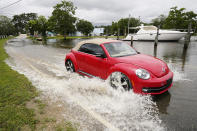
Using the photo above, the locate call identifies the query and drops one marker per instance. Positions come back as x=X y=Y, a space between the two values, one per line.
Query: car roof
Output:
x=97 y=41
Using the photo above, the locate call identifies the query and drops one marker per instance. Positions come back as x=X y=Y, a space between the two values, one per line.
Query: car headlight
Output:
x=143 y=74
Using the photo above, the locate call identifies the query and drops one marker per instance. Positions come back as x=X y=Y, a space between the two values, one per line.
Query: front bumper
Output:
x=153 y=86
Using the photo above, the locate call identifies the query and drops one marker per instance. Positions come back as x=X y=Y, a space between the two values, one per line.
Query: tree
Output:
x=62 y=20
x=123 y=24
x=85 y=27
x=191 y=17
x=114 y=27
x=108 y=29
x=6 y=26
x=179 y=19
x=20 y=21
x=159 y=21
x=32 y=26
x=42 y=23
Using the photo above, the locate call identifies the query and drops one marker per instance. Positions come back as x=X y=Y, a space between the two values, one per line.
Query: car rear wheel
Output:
x=120 y=80
x=70 y=66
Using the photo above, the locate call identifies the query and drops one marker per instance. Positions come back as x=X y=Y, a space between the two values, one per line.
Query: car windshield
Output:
x=119 y=49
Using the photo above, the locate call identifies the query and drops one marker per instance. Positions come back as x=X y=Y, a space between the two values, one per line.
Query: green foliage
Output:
x=42 y=23
x=85 y=27
x=159 y=21
x=6 y=26
x=108 y=30
x=66 y=126
x=32 y=26
x=15 y=91
x=180 y=19
x=114 y=28
x=62 y=20
x=122 y=24
x=20 y=21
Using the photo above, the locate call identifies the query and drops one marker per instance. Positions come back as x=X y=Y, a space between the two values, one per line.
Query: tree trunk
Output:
x=44 y=36
x=64 y=36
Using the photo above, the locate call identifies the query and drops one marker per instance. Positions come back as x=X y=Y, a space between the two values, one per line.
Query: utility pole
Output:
x=125 y=32
x=129 y=23
x=139 y=20
x=106 y=34
x=118 y=33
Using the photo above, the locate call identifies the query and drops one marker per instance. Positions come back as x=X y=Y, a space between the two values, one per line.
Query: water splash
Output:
x=125 y=110
x=178 y=75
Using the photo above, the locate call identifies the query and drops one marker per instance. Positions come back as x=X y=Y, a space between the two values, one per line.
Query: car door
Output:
x=92 y=64
x=80 y=55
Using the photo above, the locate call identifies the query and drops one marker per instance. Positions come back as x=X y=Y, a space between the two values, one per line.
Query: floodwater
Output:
x=94 y=104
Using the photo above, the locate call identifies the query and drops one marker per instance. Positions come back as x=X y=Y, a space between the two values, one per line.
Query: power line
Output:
x=11 y=4
x=7 y=13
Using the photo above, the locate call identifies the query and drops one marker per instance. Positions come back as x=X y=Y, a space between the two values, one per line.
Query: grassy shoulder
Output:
x=78 y=37
x=19 y=107
x=15 y=91
x=82 y=37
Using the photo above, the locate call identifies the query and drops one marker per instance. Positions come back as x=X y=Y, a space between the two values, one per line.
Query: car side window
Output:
x=84 y=48
x=91 y=48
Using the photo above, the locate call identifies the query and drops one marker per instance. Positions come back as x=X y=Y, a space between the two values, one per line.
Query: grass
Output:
x=16 y=93
x=82 y=37
x=78 y=37
x=66 y=125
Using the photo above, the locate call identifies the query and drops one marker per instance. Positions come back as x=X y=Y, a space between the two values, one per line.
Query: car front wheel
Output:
x=70 y=66
x=120 y=80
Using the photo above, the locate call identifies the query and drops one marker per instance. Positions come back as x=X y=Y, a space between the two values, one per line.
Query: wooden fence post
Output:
x=131 y=40
x=157 y=36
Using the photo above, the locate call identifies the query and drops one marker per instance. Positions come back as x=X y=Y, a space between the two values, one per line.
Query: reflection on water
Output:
x=52 y=40
x=162 y=102
x=155 y=51
x=69 y=43
x=184 y=57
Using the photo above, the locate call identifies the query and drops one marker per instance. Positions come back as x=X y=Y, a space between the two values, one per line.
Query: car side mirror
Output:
x=101 y=55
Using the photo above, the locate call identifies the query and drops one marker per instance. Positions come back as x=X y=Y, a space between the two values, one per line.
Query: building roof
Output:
x=97 y=41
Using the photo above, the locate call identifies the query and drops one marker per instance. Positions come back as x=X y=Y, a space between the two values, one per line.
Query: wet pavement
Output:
x=94 y=104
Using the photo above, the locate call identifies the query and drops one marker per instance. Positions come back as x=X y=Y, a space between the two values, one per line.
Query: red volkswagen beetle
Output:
x=119 y=62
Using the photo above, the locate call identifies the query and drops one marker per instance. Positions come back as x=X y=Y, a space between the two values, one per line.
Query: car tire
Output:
x=120 y=80
x=70 y=66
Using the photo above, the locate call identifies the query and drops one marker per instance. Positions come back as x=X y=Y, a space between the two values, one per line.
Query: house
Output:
x=98 y=32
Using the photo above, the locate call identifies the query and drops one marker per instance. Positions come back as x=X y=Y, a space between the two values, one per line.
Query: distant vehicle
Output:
x=39 y=39
x=122 y=64
x=148 y=33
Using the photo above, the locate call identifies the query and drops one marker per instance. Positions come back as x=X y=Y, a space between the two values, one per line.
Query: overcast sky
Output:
x=101 y=11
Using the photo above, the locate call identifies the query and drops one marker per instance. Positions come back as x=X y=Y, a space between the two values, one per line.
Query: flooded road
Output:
x=94 y=104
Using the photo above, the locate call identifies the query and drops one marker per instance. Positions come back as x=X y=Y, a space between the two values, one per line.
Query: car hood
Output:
x=152 y=64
